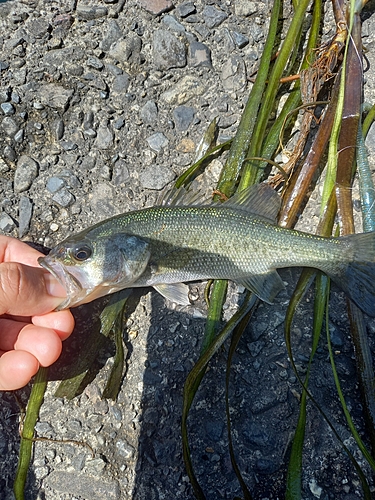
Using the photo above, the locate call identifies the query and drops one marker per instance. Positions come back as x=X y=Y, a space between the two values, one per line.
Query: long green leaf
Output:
x=251 y=173
x=27 y=435
x=240 y=145
x=195 y=375
x=237 y=334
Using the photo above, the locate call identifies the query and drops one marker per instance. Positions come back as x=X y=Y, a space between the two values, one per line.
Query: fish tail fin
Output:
x=357 y=278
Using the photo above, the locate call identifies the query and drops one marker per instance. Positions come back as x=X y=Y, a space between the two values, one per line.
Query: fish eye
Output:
x=82 y=253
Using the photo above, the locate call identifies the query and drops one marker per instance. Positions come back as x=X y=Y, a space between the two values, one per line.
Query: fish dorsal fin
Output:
x=175 y=292
x=265 y=286
x=174 y=196
x=259 y=199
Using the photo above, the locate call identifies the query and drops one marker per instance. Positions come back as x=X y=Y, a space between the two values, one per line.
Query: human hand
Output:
x=31 y=332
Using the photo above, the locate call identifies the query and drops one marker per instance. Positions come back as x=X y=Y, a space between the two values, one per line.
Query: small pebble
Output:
x=26 y=172
x=157 y=141
x=6 y=223
x=25 y=211
x=7 y=108
x=64 y=197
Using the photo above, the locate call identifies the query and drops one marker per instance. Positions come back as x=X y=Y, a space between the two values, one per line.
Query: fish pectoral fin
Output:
x=265 y=286
x=175 y=292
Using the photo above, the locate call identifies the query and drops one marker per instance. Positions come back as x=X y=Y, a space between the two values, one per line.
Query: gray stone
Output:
x=255 y=347
x=149 y=113
x=168 y=51
x=6 y=223
x=101 y=200
x=183 y=117
x=5 y=94
x=19 y=77
x=71 y=180
x=38 y=105
x=15 y=98
x=69 y=145
x=214 y=429
x=74 y=69
x=39 y=27
x=78 y=462
x=120 y=173
x=172 y=24
x=26 y=172
x=63 y=197
x=127 y=51
x=199 y=55
x=54 y=184
x=95 y=62
x=9 y=126
x=125 y=450
x=185 y=89
x=213 y=17
x=3 y=65
x=90 y=133
x=256 y=435
x=4 y=167
x=157 y=141
x=55 y=96
x=185 y=9
x=239 y=39
x=25 y=211
x=75 y=425
x=58 y=129
x=89 y=12
x=112 y=34
x=119 y=123
x=193 y=18
x=60 y=57
x=120 y=83
x=234 y=74
x=104 y=138
x=95 y=465
x=99 y=84
x=83 y=485
x=256 y=32
x=9 y=153
x=19 y=136
x=336 y=336
x=113 y=69
x=156 y=177
x=7 y=108
x=247 y=8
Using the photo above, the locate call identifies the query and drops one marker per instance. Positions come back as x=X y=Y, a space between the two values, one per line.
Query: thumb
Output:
x=28 y=291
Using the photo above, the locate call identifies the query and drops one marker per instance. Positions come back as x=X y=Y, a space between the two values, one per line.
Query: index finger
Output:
x=13 y=250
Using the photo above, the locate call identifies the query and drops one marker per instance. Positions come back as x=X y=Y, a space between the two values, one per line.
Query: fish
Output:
x=167 y=246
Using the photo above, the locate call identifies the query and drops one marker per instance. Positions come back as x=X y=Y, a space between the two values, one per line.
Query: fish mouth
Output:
x=74 y=290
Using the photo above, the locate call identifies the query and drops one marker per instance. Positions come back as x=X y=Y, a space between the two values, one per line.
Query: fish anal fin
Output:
x=265 y=286
x=175 y=292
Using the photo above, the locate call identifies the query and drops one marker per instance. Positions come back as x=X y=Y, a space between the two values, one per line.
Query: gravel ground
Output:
x=103 y=104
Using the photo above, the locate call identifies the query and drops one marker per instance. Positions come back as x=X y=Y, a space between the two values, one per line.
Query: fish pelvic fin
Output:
x=175 y=292
x=265 y=286
x=357 y=279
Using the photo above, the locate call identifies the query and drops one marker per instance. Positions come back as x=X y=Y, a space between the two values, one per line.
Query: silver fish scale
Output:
x=189 y=243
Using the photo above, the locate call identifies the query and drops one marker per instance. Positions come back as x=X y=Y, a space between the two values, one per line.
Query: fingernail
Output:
x=54 y=287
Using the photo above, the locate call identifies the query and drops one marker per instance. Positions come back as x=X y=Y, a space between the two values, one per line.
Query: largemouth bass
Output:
x=164 y=246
